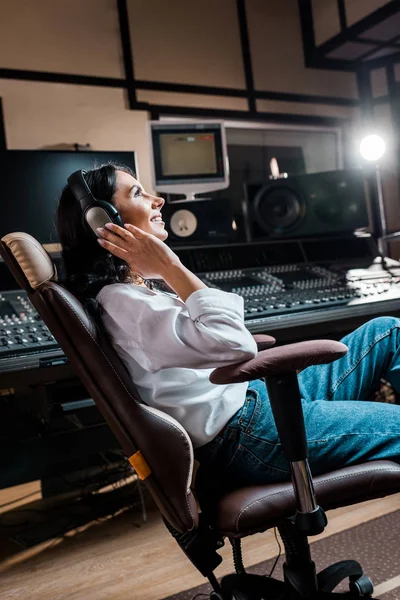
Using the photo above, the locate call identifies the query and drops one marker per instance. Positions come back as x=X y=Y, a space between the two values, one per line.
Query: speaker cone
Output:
x=278 y=209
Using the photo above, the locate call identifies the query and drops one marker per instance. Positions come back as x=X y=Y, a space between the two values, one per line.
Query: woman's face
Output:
x=137 y=207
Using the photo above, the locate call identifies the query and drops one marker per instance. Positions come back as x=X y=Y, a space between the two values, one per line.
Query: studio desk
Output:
x=292 y=289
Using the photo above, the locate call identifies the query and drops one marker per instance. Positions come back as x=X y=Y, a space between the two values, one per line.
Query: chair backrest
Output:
x=157 y=446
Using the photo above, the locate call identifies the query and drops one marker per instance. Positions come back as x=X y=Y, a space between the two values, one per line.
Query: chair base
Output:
x=258 y=587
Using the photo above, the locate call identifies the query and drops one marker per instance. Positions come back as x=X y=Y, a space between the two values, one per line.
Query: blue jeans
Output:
x=343 y=428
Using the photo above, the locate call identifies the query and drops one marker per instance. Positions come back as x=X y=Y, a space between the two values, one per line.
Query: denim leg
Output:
x=339 y=432
x=342 y=432
x=346 y=433
x=374 y=352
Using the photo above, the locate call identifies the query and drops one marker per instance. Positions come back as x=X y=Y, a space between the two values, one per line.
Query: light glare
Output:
x=372 y=147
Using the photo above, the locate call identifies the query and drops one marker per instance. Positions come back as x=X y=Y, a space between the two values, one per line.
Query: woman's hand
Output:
x=147 y=256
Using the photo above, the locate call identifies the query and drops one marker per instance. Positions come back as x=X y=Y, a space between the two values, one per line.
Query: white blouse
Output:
x=170 y=348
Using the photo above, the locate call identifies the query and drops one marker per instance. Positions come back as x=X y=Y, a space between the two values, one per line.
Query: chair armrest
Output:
x=264 y=341
x=278 y=366
x=283 y=359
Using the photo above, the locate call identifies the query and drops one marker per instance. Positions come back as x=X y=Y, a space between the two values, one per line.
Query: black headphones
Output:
x=95 y=213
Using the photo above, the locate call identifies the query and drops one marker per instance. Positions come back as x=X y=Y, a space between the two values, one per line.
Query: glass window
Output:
x=251 y=146
x=297 y=151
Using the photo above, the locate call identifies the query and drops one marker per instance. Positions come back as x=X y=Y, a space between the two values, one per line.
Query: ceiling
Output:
x=373 y=41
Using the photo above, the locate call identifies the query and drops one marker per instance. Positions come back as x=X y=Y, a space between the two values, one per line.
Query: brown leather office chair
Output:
x=161 y=452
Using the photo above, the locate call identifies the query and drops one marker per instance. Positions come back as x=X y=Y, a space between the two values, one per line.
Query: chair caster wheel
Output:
x=361 y=587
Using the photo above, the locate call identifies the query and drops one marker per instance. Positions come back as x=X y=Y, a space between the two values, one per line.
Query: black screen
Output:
x=339 y=249
x=31 y=182
x=291 y=277
x=203 y=259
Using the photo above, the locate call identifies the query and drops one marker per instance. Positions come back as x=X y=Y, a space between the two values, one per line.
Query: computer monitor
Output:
x=31 y=182
x=189 y=158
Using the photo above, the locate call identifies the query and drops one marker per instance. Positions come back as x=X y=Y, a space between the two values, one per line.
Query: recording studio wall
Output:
x=55 y=92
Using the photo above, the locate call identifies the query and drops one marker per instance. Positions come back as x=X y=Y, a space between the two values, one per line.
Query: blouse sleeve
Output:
x=205 y=332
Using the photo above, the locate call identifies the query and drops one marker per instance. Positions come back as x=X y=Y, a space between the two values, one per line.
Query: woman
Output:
x=170 y=343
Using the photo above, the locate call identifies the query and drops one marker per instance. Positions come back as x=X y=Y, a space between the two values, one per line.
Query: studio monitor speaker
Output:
x=331 y=202
x=199 y=221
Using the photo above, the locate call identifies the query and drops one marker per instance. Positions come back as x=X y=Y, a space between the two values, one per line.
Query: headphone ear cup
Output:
x=101 y=213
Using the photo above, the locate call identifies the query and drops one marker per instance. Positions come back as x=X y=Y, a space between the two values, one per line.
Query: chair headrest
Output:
x=33 y=260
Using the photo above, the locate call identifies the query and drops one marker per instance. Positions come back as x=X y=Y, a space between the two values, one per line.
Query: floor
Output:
x=374 y=544
x=120 y=557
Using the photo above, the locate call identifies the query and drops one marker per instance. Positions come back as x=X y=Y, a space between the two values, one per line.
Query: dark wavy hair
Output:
x=87 y=266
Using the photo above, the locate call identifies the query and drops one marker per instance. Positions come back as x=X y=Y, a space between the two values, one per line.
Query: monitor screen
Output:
x=31 y=182
x=189 y=157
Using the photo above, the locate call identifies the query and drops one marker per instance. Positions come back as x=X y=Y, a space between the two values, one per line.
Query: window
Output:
x=251 y=146
x=298 y=150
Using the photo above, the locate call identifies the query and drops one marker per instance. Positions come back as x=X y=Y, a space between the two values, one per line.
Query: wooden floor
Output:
x=124 y=558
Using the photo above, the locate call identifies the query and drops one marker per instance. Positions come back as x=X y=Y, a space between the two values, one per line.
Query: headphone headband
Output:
x=80 y=189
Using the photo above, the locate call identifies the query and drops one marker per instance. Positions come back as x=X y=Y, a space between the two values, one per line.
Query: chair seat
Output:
x=257 y=508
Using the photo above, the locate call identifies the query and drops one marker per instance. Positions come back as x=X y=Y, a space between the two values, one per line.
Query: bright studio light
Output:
x=372 y=147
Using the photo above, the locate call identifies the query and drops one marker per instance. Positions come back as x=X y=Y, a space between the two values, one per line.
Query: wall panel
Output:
x=195 y=100
x=77 y=37
x=277 y=54
x=358 y=9
x=384 y=126
x=397 y=71
x=326 y=20
x=379 y=82
x=303 y=108
x=187 y=42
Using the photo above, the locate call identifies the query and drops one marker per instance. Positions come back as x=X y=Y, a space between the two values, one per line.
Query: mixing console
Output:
x=25 y=341
x=286 y=295
x=276 y=297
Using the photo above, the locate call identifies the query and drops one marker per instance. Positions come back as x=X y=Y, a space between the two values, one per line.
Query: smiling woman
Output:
x=138 y=207
x=119 y=257
x=169 y=344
